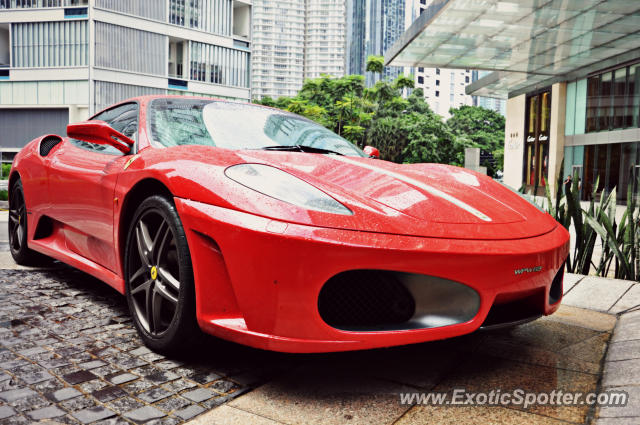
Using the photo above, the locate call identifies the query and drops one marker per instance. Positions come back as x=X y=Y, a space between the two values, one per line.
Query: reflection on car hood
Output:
x=426 y=199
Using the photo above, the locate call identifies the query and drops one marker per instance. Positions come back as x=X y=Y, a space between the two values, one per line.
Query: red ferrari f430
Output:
x=261 y=227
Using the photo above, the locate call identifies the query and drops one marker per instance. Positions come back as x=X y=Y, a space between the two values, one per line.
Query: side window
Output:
x=123 y=118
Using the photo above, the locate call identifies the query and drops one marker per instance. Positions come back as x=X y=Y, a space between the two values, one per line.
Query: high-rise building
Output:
x=372 y=27
x=277 y=66
x=63 y=60
x=325 y=38
x=443 y=88
x=294 y=40
x=496 y=104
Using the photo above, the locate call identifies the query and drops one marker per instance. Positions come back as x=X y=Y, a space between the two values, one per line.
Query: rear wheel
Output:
x=18 y=229
x=159 y=277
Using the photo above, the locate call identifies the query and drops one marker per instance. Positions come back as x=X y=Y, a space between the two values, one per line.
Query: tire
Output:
x=17 y=227
x=159 y=277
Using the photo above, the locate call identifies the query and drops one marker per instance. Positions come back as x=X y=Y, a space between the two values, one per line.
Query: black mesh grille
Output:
x=364 y=299
x=47 y=144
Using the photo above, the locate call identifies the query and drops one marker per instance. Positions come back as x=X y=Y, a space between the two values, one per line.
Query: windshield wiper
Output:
x=299 y=148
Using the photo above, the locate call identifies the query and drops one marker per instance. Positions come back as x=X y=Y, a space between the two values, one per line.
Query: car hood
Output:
x=426 y=200
x=414 y=199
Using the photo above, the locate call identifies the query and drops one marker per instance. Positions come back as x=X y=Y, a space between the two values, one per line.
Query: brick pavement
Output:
x=69 y=353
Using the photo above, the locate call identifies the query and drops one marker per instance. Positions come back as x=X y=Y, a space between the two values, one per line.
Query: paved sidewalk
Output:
x=69 y=354
x=600 y=294
x=622 y=370
x=563 y=351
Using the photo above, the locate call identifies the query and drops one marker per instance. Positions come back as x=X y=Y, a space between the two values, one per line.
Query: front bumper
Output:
x=258 y=280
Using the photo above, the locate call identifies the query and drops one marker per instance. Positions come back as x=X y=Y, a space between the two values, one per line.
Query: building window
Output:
x=437 y=71
x=152 y=9
x=437 y=93
x=613 y=165
x=192 y=14
x=119 y=47
x=613 y=99
x=65 y=44
x=420 y=69
x=220 y=65
x=420 y=80
x=437 y=82
x=466 y=79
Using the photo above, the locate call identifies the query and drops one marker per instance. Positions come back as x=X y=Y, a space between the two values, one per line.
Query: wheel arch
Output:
x=13 y=178
x=139 y=192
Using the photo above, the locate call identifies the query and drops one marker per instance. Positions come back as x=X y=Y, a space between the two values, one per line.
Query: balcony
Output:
x=30 y=4
x=242 y=20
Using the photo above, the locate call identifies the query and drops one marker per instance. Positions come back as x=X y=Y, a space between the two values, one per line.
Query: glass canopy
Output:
x=527 y=41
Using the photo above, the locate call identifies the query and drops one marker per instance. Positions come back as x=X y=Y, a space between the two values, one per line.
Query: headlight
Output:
x=280 y=185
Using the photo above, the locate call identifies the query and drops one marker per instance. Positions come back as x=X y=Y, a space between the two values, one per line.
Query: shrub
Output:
x=6 y=169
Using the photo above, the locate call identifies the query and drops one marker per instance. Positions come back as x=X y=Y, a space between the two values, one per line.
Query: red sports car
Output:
x=261 y=227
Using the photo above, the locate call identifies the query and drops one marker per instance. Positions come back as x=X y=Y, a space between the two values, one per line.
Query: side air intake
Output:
x=48 y=143
x=381 y=300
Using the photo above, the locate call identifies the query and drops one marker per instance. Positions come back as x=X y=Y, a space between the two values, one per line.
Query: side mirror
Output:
x=95 y=131
x=372 y=152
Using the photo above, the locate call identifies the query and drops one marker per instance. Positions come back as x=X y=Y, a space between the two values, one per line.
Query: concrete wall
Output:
x=514 y=141
x=242 y=20
x=35 y=93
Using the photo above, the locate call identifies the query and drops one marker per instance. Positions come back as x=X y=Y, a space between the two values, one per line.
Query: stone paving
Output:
x=622 y=369
x=69 y=353
x=563 y=352
x=568 y=351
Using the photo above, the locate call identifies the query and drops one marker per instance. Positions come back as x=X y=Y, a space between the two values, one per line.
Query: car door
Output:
x=82 y=181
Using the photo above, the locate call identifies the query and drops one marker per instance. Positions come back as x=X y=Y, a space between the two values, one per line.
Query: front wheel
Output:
x=159 y=277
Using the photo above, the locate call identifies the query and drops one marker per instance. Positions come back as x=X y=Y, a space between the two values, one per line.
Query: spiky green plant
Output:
x=620 y=241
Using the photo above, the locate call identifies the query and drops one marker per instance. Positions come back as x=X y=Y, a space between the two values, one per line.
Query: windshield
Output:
x=176 y=121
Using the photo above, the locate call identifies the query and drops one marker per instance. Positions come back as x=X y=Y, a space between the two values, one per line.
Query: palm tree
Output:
x=403 y=82
x=375 y=64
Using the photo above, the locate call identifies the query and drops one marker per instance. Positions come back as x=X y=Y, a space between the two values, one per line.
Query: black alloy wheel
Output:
x=159 y=277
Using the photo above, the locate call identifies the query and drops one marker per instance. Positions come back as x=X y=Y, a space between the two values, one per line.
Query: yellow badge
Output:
x=154 y=273
x=133 y=158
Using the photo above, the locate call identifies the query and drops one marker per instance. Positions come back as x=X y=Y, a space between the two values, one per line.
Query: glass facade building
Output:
x=602 y=119
x=373 y=26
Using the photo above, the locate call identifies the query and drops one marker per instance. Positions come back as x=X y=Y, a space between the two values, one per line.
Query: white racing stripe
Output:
x=413 y=182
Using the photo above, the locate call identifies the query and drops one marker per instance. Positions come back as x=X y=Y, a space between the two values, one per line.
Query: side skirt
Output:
x=55 y=247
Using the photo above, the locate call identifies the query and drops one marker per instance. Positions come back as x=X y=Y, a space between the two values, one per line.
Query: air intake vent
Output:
x=365 y=299
x=555 y=291
x=48 y=143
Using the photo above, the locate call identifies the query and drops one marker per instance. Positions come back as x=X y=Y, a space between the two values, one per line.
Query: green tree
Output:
x=375 y=64
x=403 y=129
x=404 y=82
x=482 y=128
